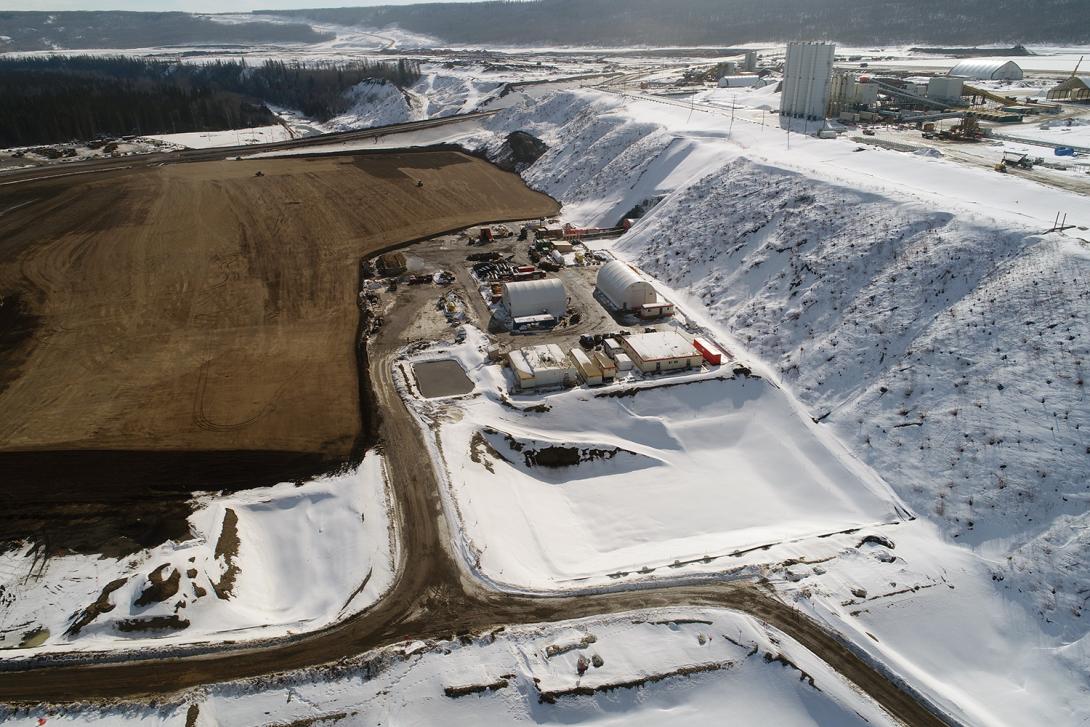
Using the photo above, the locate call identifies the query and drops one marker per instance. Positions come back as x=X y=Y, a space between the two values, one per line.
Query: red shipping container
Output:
x=710 y=353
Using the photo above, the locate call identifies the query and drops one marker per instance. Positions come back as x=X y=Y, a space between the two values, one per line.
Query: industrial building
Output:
x=750 y=63
x=661 y=351
x=540 y=367
x=751 y=81
x=848 y=94
x=945 y=88
x=535 y=298
x=1076 y=88
x=807 y=73
x=983 y=70
x=623 y=288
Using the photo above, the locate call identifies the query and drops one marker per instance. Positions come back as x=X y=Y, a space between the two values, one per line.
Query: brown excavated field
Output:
x=192 y=326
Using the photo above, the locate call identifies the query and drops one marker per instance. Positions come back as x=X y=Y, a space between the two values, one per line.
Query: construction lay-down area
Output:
x=194 y=327
x=692 y=462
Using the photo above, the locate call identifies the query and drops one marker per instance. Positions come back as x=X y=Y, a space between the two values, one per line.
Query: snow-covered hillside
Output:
x=379 y=103
x=914 y=306
x=258 y=563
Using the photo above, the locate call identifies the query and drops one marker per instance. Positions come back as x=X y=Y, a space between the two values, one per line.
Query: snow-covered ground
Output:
x=677 y=667
x=230 y=137
x=259 y=563
x=1069 y=132
x=919 y=310
x=678 y=469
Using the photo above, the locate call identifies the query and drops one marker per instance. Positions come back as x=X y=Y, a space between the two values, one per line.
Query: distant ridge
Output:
x=725 y=22
x=32 y=31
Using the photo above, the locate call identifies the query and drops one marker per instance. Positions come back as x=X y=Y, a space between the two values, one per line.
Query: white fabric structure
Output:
x=988 y=70
x=623 y=288
x=535 y=297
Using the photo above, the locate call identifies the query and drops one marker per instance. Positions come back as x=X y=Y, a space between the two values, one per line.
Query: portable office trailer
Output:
x=588 y=370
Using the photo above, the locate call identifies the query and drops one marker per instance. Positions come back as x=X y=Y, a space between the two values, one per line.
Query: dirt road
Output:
x=432 y=596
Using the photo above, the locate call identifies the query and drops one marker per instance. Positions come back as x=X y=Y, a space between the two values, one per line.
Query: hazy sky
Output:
x=193 y=6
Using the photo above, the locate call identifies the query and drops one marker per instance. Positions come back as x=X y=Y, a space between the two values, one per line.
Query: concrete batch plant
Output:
x=535 y=298
x=808 y=69
x=623 y=288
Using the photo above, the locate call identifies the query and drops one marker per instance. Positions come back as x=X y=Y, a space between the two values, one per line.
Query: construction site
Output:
x=558 y=311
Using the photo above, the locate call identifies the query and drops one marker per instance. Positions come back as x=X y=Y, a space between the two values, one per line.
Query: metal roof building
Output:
x=535 y=297
x=987 y=70
x=661 y=351
x=541 y=366
x=1076 y=88
x=623 y=288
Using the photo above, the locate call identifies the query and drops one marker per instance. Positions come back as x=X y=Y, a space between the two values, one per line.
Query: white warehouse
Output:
x=623 y=288
x=535 y=298
x=538 y=367
x=808 y=70
x=987 y=70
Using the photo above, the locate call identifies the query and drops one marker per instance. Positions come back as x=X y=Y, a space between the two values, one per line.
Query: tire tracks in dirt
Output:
x=432 y=597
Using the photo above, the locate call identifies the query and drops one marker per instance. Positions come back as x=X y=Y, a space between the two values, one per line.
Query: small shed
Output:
x=624 y=363
x=987 y=70
x=535 y=298
x=623 y=288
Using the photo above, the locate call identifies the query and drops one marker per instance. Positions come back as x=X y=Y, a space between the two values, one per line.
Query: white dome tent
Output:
x=983 y=70
x=535 y=298
x=623 y=288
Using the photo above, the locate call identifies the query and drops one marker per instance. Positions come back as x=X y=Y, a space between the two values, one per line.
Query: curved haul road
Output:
x=432 y=597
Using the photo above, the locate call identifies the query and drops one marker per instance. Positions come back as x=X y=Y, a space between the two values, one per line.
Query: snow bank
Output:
x=261 y=563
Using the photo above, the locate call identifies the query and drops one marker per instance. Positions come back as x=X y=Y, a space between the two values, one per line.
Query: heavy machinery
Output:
x=967 y=130
x=1019 y=161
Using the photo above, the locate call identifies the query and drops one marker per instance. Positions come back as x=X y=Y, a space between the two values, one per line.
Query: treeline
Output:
x=34 y=30
x=725 y=22
x=58 y=98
